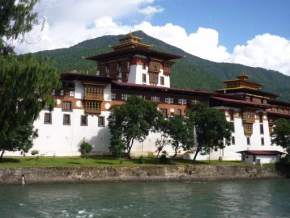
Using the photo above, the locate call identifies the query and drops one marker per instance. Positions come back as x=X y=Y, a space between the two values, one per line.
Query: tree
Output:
x=181 y=133
x=85 y=149
x=211 y=128
x=130 y=122
x=25 y=89
x=16 y=18
x=281 y=133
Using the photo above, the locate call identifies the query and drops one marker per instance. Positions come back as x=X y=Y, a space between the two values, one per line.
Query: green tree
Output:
x=181 y=133
x=130 y=122
x=85 y=149
x=25 y=89
x=16 y=18
x=211 y=128
x=25 y=83
x=281 y=133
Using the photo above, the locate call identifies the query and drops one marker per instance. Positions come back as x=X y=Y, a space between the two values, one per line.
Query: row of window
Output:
x=248 y=141
x=165 y=112
x=246 y=115
x=153 y=78
x=167 y=100
x=249 y=128
x=67 y=119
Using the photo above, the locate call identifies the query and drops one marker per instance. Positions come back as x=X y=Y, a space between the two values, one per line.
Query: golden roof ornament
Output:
x=130 y=41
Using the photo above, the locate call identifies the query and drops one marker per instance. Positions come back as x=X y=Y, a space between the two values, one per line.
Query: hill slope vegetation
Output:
x=188 y=72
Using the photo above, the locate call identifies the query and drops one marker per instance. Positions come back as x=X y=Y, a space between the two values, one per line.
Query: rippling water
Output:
x=251 y=198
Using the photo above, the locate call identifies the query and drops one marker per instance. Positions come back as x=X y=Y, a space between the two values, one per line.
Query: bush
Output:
x=85 y=148
x=34 y=152
x=163 y=158
x=141 y=160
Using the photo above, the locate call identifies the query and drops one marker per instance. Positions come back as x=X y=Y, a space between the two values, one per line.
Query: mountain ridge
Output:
x=188 y=72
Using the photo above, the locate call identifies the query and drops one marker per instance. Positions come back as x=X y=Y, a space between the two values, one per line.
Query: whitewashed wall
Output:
x=136 y=74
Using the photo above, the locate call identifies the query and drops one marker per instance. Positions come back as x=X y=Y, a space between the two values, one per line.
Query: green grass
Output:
x=25 y=162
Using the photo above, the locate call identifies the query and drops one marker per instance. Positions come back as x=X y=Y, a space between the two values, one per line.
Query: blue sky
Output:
x=236 y=20
x=250 y=32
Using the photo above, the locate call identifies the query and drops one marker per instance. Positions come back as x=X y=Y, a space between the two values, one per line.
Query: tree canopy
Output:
x=181 y=132
x=25 y=88
x=16 y=18
x=281 y=133
x=211 y=128
x=131 y=122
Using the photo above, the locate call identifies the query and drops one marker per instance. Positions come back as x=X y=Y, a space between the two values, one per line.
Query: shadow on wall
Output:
x=100 y=142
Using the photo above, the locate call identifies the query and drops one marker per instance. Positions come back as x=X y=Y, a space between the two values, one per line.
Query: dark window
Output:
x=153 y=78
x=233 y=140
x=66 y=119
x=233 y=126
x=231 y=115
x=144 y=78
x=261 y=118
x=84 y=120
x=248 y=141
x=262 y=141
x=261 y=129
x=66 y=106
x=162 y=80
x=47 y=118
x=101 y=121
x=113 y=96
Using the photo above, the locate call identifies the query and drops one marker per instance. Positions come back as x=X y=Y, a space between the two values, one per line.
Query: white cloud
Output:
x=203 y=43
x=64 y=28
x=267 y=51
x=151 y=10
x=68 y=22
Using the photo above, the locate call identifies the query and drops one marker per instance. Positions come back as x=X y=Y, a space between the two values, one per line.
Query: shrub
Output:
x=85 y=148
x=163 y=158
x=34 y=152
x=141 y=160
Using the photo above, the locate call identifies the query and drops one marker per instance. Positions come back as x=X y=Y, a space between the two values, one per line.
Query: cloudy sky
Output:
x=250 y=32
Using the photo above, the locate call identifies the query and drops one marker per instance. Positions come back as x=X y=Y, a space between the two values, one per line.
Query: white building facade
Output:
x=82 y=106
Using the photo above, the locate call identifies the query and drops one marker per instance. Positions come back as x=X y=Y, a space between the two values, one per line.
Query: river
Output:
x=244 y=198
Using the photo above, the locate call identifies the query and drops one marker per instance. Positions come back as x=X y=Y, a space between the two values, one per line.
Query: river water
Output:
x=245 y=198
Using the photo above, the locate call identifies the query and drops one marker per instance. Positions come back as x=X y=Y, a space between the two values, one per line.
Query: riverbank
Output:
x=136 y=173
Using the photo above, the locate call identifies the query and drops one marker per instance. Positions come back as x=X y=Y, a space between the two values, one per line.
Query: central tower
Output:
x=132 y=61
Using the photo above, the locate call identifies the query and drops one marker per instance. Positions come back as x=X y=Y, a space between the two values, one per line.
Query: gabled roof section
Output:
x=123 y=85
x=242 y=81
x=132 y=45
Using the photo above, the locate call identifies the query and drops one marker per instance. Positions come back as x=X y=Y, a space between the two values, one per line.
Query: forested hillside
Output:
x=188 y=72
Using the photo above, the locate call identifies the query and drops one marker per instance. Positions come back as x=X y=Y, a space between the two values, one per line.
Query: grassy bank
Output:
x=95 y=162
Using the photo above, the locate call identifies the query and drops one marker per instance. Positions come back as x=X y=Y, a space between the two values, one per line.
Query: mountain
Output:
x=188 y=72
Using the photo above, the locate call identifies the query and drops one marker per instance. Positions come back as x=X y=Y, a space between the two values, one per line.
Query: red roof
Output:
x=235 y=101
x=261 y=152
x=160 y=88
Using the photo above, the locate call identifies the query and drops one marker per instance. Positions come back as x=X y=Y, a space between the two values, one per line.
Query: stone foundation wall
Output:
x=136 y=173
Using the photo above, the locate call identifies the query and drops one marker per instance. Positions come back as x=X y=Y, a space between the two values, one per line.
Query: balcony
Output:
x=248 y=117
x=92 y=107
x=98 y=97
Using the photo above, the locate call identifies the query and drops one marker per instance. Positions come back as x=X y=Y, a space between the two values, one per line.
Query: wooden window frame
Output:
x=248 y=140
x=82 y=120
x=49 y=120
x=65 y=104
x=101 y=121
x=262 y=129
x=162 y=80
x=68 y=121
x=144 y=78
